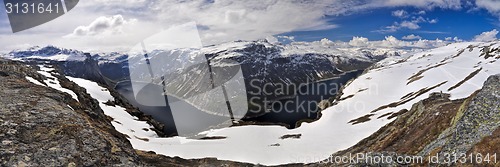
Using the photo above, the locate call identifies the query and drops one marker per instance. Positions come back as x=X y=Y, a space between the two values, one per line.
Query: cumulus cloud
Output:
x=422 y=12
x=412 y=24
x=400 y=13
x=493 y=6
x=412 y=37
x=455 y=39
x=393 y=42
x=101 y=25
x=486 y=36
x=287 y=38
x=359 y=41
x=388 y=42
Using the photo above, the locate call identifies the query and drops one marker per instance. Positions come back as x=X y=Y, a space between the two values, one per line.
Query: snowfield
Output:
x=367 y=102
x=32 y=80
x=137 y=131
x=52 y=81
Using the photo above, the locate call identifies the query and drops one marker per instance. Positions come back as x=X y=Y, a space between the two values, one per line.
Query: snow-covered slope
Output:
x=135 y=129
x=367 y=102
x=51 y=81
x=123 y=122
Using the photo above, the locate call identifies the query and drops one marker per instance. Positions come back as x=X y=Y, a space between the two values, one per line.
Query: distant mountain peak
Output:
x=48 y=52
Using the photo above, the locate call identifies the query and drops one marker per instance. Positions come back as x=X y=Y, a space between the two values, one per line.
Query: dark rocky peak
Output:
x=87 y=56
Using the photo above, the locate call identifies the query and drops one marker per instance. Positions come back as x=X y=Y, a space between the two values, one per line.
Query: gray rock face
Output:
x=480 y=119
x=43 y=127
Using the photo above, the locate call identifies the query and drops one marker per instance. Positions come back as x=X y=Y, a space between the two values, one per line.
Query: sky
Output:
x=116 y=25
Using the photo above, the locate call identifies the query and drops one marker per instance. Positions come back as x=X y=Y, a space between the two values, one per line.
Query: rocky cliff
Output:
x=40 y=126
x=45 y=127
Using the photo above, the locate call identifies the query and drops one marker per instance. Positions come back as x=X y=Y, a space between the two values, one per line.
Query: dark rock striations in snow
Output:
x=439 y=126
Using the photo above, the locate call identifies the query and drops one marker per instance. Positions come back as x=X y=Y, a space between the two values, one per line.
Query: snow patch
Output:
x=34 y=81
x=138 y=132
x=53 y=82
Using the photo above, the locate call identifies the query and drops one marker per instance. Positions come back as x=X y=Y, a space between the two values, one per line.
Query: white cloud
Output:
x=289 y=38
x=388 y=42
x=486 y=36
x=226 y=20
x=340 y=7
x=455 y=39
x=412 y=24
x=493 y=6
x=427 y=4
x=218 y=20
x=412 y=37
x=102 y=25
x=400 y=13
x=422 y=12
x=359 y=41
x=393 y=42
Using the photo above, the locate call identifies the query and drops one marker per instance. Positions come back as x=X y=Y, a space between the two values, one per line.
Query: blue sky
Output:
x=463 y=23
x=111 y=25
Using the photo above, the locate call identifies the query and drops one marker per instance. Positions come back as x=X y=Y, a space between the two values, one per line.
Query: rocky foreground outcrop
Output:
x=44 y=127
x=40 y=126
x=437 y=131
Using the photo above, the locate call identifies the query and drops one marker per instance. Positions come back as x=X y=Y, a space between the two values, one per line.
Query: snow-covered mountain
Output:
x=270 y=62
x=264 y=66
x=317 y=61
x=271 y=65
x=267 y=63
x=365 y=106
x=47 y=53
